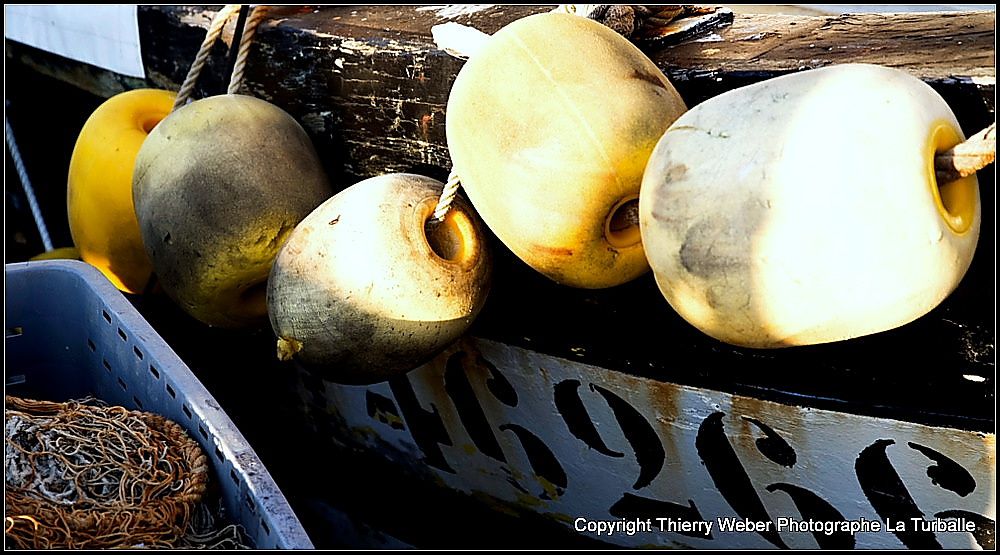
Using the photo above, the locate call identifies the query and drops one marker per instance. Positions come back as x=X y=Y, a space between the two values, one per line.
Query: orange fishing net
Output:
x=87 y=476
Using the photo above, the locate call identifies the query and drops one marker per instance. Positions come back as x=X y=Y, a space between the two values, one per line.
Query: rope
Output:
x=234 y=43
x=214 y=30
x=258 y=15
x=965 y=159
x=29 y=191
x=447 y=196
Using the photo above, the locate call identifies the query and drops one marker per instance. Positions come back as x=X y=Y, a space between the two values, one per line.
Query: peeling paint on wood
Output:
x=454 y=10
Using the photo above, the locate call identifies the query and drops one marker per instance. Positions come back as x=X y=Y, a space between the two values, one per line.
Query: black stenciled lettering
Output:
x=814 y=507
x=729 y=476
x=986 y=528
x=772 y=445
x=470 y=412
x=949 y=475
x=498 y=384
x=633 y=506
x=426 y=427
x=543 y=462
x=888 y=495
x=567 y=398
x=946 y=473
x=640 y=435
x=459 y=388
x=382 y=408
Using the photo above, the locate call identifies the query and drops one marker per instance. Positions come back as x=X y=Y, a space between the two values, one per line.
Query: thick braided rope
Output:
x=214 y=30
x=29 y=191
x=965 y=159
x=447 y=196
x=249 y=30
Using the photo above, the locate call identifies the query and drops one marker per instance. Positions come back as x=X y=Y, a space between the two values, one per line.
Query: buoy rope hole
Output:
x=451 y=238
x=966 y=158
x=954 y=193
x=621 y=229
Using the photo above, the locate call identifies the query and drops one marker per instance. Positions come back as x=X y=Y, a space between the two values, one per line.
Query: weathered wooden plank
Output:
x=940 y=46
x=952 y=52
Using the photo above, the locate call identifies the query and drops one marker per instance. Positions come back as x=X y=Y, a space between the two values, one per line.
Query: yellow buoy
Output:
x=102 y=219
x=550 y=125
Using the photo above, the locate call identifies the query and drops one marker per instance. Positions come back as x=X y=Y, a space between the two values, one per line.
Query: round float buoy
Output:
x=365 y=288
x=804 y=209
x=102 y=218
x=219 y=185
x=549 y=127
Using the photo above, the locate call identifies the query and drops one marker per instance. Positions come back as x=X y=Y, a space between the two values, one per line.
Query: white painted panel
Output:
x=455 y=421
x=106 y=36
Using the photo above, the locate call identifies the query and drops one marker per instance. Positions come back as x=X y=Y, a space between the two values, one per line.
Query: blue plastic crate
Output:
x=70 y=333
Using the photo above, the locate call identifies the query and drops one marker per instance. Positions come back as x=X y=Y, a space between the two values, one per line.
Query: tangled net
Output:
x=204 y=532
x=80 y=476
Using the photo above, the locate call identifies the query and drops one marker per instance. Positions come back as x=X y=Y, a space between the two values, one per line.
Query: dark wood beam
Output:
x=371 y=87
